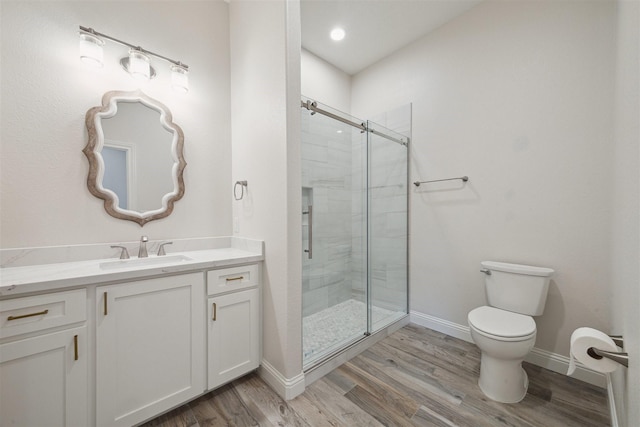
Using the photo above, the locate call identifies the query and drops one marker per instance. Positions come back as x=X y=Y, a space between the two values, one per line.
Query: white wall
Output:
x=325 y=83
x=265 y=87
x=626 y=212
x=518 y=96
x=46 y=91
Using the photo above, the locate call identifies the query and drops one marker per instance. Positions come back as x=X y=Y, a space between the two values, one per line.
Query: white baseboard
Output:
x=287 y=388
x=539 y=357
x=437 y=324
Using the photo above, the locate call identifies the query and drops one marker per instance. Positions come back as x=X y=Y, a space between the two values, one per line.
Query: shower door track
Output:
x=313 y=107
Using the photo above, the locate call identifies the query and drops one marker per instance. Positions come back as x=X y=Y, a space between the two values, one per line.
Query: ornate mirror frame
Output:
x=92 y=150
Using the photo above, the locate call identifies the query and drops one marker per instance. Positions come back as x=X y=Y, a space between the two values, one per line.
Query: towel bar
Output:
x=463 y=178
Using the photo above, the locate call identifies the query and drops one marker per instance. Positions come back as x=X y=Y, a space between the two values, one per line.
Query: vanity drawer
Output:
x=31 y=314
x=232 y=279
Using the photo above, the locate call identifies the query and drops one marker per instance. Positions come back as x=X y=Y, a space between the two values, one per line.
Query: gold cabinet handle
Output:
x=75 y=347
x=230 y=279
x=104 y=296
x=215 y=311
x=28 y=315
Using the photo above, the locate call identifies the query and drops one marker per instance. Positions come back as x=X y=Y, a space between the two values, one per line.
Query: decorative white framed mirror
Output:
x=135 y=154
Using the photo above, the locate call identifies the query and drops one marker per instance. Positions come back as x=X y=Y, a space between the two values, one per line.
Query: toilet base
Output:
x=502 y=380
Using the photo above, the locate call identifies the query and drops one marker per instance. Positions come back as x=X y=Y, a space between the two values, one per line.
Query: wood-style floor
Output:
x=414 y=377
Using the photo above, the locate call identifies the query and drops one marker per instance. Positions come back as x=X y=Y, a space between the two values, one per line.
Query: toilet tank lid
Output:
x=517 y=268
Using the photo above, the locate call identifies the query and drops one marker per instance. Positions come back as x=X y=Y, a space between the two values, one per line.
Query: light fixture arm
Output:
x=148 y=52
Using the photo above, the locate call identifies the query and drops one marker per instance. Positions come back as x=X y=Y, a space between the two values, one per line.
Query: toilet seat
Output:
x=501 y=325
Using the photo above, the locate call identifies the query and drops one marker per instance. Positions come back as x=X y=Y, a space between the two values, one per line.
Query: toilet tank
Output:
x=518 y=288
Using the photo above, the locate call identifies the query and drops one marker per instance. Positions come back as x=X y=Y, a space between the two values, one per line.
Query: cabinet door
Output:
x=234 y=338
x=150 y=347
x=43 y=380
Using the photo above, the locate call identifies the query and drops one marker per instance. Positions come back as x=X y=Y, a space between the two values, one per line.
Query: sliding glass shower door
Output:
x=334 y=204
x=354 y=230
x=387 y=226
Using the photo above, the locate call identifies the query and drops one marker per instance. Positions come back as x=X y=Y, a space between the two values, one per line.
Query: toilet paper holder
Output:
x=621 y=358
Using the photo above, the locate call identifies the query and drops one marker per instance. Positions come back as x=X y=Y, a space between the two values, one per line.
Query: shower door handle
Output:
x=309 y=212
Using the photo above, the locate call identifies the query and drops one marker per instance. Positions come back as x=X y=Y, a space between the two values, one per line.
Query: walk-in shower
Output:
x=354 y=220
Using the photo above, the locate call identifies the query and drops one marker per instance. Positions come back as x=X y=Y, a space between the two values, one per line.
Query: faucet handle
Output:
x=161 y=248
x=124 y=254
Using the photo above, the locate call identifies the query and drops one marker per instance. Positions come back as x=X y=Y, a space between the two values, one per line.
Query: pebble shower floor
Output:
x=327 y=330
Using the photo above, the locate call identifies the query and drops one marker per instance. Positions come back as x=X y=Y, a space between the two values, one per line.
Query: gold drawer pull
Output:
x=104 y=299
x=28 y=315
x=215 y=312
x=75 y=347
x=230 y=279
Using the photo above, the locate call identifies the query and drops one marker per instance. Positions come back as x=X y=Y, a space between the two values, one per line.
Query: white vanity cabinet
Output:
x=234 y=337
x=150 y=347
x=110 y=342
x=43 y=360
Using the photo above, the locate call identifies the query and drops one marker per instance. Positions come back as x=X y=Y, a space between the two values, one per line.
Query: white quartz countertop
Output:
x=45 y=277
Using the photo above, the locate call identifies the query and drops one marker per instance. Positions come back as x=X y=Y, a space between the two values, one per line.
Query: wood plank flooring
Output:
x=414 y=377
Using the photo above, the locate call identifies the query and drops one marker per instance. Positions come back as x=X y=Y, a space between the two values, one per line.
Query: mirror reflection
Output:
x=135 y=156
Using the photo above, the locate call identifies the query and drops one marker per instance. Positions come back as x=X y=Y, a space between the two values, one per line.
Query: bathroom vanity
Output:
x=116 y=342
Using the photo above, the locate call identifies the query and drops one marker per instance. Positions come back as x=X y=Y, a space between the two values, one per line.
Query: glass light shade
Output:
x=179 y=78
x=91 y=49
x=139 y=66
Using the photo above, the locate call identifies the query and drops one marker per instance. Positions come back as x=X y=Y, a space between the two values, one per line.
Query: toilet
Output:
x=505 y=331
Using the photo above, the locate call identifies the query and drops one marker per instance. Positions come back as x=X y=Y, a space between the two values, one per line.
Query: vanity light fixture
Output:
x=137 y=63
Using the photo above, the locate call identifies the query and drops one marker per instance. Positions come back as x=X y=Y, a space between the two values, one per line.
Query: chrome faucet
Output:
x=161 y=251
x=142 y=252
x=123 y=251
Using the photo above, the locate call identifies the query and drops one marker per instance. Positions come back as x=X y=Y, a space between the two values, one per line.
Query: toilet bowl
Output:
x=505 y=339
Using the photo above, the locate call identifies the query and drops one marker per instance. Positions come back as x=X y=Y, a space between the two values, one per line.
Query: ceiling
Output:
x=375 y=28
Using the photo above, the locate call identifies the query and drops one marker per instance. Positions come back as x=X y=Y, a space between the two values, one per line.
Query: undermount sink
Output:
x=143 y=262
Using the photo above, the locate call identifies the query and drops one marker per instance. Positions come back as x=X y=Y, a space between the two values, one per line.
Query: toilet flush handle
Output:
x=486 y=271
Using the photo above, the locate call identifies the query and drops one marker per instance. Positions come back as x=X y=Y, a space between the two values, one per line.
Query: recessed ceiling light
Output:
x=337 y=34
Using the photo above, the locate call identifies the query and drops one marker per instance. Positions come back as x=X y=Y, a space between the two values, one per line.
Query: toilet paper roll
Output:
x=582 y=339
